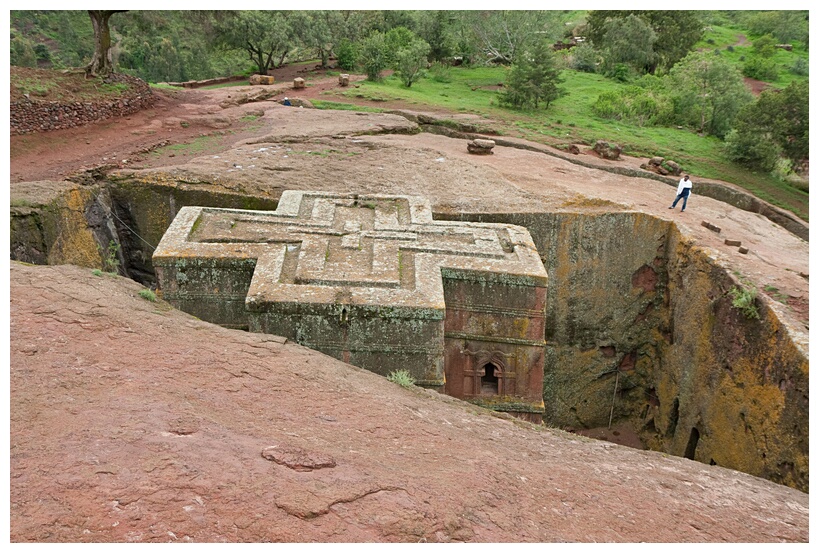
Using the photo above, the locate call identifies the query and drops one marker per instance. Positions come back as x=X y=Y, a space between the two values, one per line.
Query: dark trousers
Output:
x=684 y=196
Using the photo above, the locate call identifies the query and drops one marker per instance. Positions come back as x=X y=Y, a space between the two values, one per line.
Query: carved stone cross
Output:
x=362 y=278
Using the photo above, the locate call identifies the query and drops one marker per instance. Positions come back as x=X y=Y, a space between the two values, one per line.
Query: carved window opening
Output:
x=489 y=380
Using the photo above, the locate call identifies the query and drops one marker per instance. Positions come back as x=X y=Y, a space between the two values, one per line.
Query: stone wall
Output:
x=32 y=116
x=640 y=328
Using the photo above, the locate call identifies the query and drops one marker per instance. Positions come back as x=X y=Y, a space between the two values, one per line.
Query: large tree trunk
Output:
x=101 y=64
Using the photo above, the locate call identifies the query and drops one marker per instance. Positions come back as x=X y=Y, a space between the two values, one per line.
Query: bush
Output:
x=761 y=69
x=373 y=56
x=21 y=51
x=440 y=73
x=800 y=67
x=744 y=299
x=411 y=62
x=765 y=46
x=634 y=104
x=402 y=377
x=752 y=150
x=346 y=55
x=147 y=295
x=583 y=58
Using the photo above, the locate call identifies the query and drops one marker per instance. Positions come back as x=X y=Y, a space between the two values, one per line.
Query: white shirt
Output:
x=683 y=184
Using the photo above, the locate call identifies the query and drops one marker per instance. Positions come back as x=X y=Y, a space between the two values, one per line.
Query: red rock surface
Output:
x=133 y=422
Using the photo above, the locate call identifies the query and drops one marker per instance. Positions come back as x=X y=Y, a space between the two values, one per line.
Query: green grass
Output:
x=744 y=299
x=570 y=120
x=147 y=295
x=402 y=377
x=199 y=145
x=165 y=86
x=325 y=104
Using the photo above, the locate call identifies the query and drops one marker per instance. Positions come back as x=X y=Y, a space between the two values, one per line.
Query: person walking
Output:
x=683 y=191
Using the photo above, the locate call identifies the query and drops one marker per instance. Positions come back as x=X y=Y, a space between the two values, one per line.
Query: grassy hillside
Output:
x=570 y=120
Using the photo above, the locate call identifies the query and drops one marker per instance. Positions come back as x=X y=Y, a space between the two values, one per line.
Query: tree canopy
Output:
x=533 y=78
x=266 y=36
x=708 y=92
x=677 y=32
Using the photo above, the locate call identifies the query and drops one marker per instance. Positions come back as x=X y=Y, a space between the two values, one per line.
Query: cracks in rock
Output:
x=306 y=513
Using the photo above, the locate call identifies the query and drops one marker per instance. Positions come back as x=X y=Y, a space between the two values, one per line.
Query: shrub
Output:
x=346 y=55
x=752 y=149
x=147 y=295
x=744 y=300
x=440 y=73
x=110 y=257
x=762 y=69
x=800 y=67
x=583 y=58
x=635 y=104
x=373 y=56
x=411 y=62
x=402 y=377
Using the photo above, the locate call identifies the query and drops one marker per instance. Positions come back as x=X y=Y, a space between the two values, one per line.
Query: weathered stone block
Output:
x=298 y=82
x=344 y=79
x=607 y=150
x=729 y=242
x=373 y=281
x=480 y=146
x=262 y=79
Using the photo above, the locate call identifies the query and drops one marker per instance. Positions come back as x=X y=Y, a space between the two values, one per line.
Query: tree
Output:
x=708 y=93
x=411 y=61
x=785 y=25
x=435 y=27
x=533 y=78
x=321 y=30
x=501 y=34
x=22 y=52
x=777 y=122
x=677 y=32
x=629 y=41
x=373 y=55
x=266 y=36
x=101 y=63
x=397 y=39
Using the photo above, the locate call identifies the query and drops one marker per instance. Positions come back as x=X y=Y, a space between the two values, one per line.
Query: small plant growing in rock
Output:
x=147 y=295
x=402 y=377
x=96 y=272
x=110 y=258
x=744 y=299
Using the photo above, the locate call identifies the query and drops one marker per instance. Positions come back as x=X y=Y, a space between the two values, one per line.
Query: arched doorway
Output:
x=489 y=380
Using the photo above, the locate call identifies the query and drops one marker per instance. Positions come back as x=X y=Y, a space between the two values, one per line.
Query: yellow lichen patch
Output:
x=743 y=422
x=74 y=241
x=579 y=200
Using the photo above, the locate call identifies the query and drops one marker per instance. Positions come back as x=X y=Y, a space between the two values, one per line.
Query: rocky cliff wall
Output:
x=641 y=330
x=640 y=326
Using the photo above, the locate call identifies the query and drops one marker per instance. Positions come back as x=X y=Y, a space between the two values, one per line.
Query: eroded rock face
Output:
x=603 y=315
x=133 y=422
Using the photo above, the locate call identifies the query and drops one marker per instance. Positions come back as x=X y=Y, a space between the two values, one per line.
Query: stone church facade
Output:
x=376 y=282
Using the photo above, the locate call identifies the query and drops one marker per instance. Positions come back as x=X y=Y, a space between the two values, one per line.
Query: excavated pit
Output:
x=643 y=346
